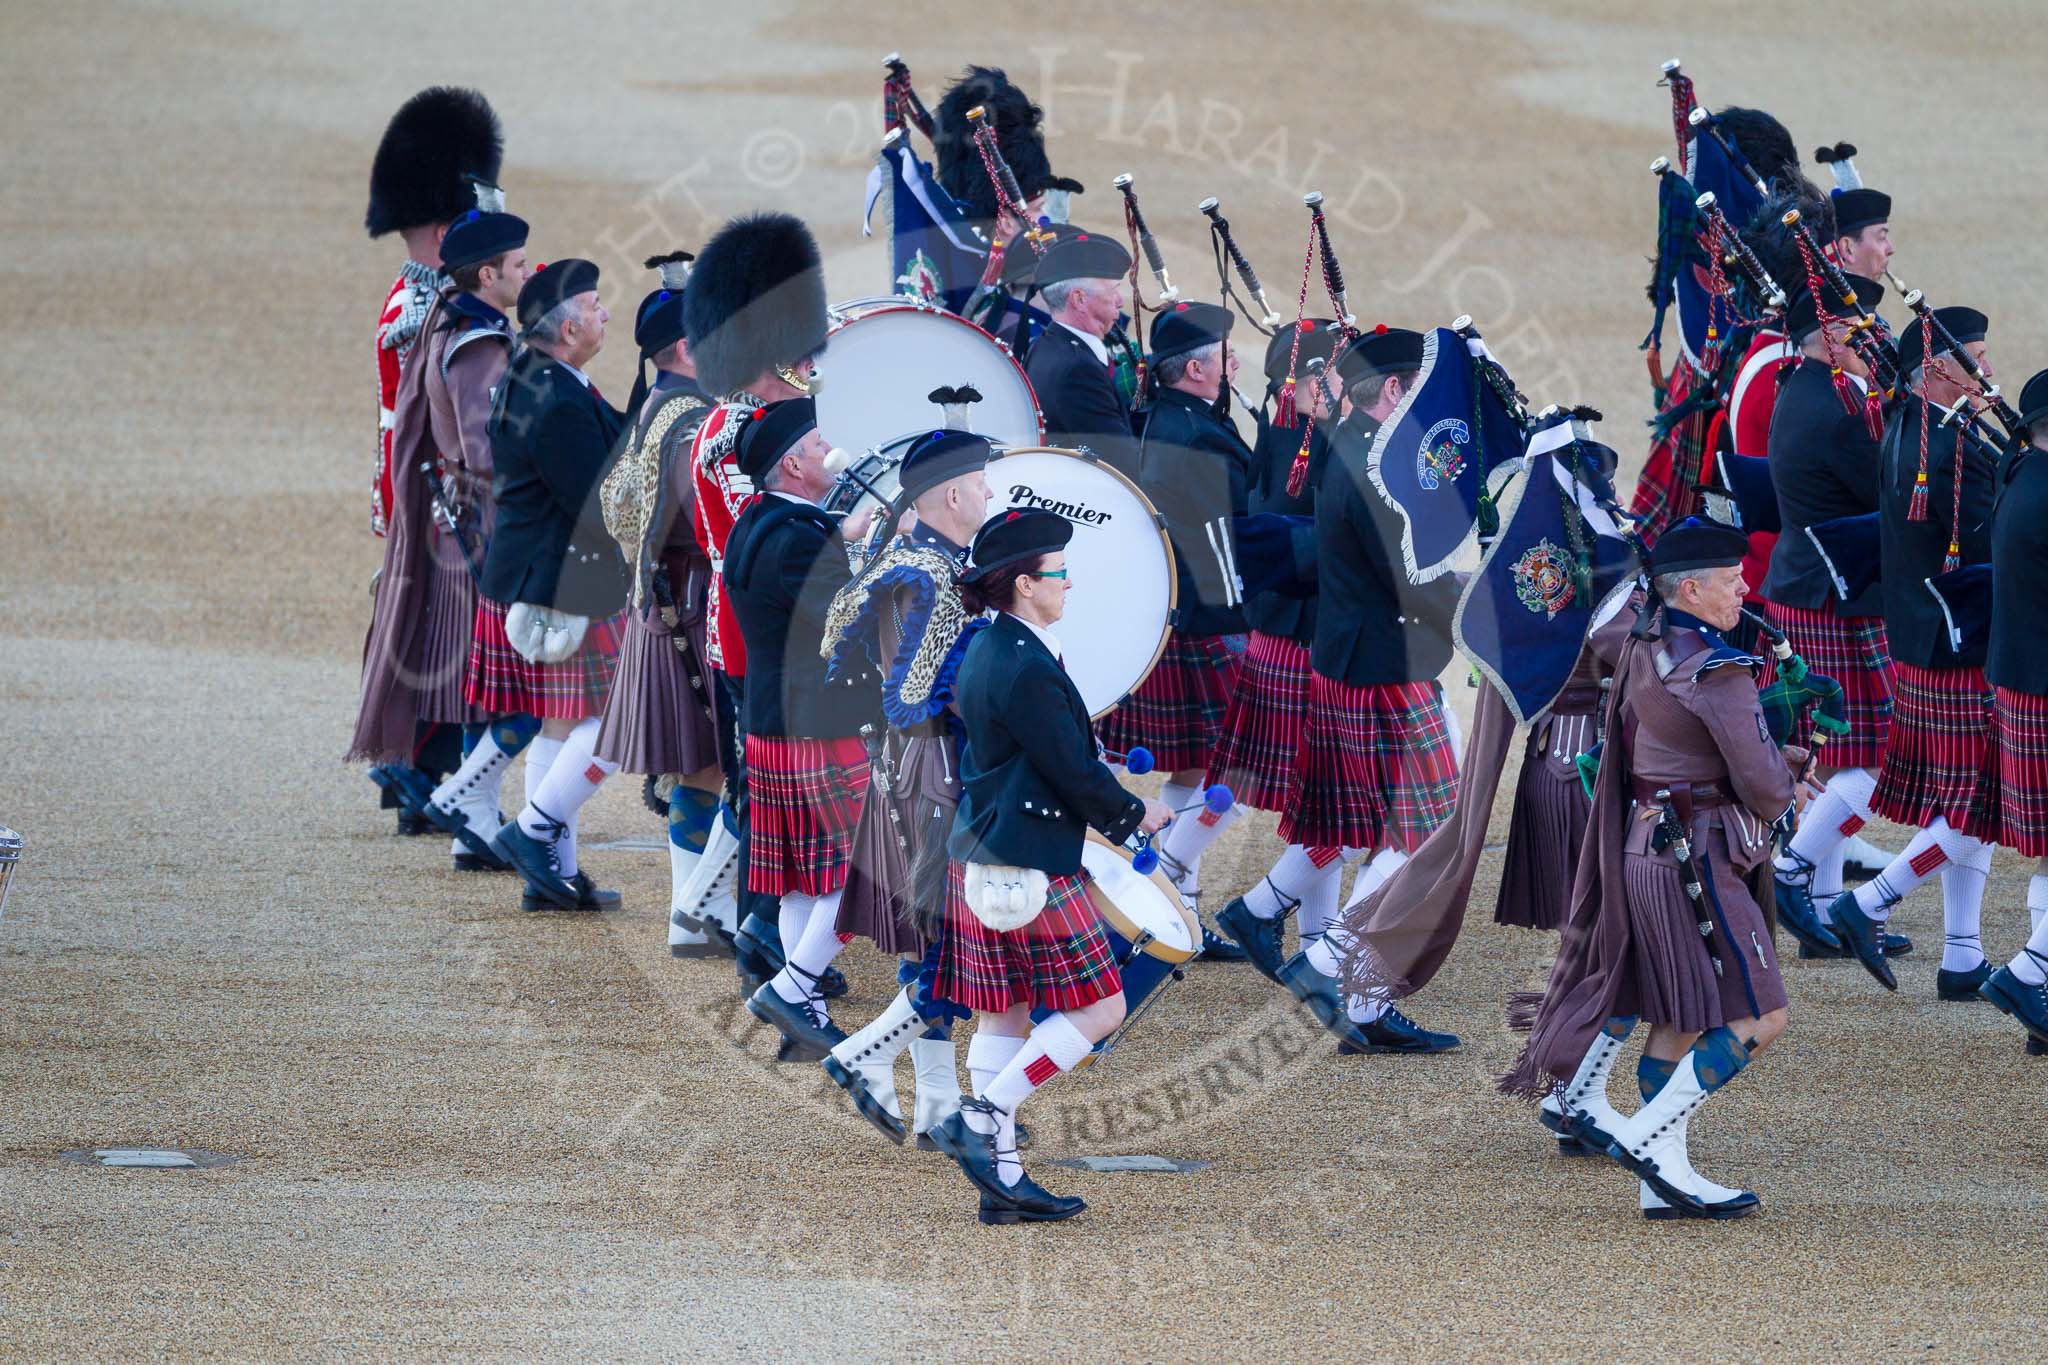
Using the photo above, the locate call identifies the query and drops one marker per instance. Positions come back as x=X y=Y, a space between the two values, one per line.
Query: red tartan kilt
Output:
x=1375 y=768
x=502 y=682
x=1934 y=760
x=1851 y=650
x=2016 y=777
x=803 y=801
x=1177 y=712
x=1062 y=960
x=1262 y=730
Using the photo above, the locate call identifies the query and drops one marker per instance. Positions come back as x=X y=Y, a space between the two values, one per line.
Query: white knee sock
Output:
x=540 y=757
x=1326 y=954
x=1375 y=874
x=987 y=1055
x=1363 y=1009
x=1962 y=905
x=1917 y=861
x=820 y=942
x=1191 y=834
x=1827 y=878
x=794 y=919
x=1289 y=882
x=1056 y=1044
x=1319 y=903
x=1173 y=795
x=573 y=778
x=2031 y=963
x=1838 y=812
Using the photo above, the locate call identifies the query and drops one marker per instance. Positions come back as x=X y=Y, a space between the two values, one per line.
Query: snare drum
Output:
x=1151 y=933
x=883 y=358
x=1120 y=587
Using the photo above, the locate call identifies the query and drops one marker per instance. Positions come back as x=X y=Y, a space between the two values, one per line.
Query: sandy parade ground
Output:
x=459 y=1130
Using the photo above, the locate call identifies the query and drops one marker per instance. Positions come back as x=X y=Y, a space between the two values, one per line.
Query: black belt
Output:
x=1686 y=797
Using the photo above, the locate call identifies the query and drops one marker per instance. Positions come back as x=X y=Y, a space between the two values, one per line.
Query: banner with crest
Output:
x=1559 y=558
x=1431 y=457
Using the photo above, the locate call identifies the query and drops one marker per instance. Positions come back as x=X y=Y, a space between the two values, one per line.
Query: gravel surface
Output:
x=464 y=1131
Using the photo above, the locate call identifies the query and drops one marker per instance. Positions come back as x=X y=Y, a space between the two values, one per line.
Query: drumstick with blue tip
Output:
x=1137 y=762
x=1216 y=799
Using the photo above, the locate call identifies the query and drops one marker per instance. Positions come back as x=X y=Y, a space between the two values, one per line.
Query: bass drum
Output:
x=883 y=359
x=1121 y=589
x=1151 y=934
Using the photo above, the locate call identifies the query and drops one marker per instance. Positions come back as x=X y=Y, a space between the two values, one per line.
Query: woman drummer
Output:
x=1033 y=782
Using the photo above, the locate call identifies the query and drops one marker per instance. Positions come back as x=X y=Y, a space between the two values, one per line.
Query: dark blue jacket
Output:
x=783 y=562
x=1032 y=782
x=551 y=441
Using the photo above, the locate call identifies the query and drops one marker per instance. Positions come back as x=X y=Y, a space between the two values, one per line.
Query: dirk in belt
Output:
x=1672 y=834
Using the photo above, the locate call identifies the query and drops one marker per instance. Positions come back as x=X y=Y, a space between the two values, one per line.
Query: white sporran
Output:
x=543 y=635
x=1004 y=898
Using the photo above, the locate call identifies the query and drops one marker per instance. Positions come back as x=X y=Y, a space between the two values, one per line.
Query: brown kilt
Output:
x=1375 y=767
x=1254 y=755
x=1547 y=826
x=1673 y=980
x=1852 y=651
x=803 y=798
x=655 y=720
x=1934 y=761
x=1062 y=960
x=446 y=641
x=2016 y=776
x=1177 y=712
x=503 y=683
x=896 y=884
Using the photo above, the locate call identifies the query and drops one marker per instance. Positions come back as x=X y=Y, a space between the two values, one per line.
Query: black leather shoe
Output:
x=1950 y=985
x=413 y=788
x=470 y=862
x=832 y=984
x=2036 y=1047
x=1854 y=870
x=1895 y=945
x=1216 y=948
x=1313 y=989
x=411 y=824
x=2027 y=1004
x=1029 y=1202
x=1797 y=917
x=871 y=1109
x=1393 y=1031
x=1024 y=1140
x=1569 y=1143
x=589 y=897
x=1264 y=941
x=1859 y=934
x=718 y=940
x=451 y=823
x=757 y=952
x=809 y=1040
x=387 y=799
x=536 y=862
x=976 y=1152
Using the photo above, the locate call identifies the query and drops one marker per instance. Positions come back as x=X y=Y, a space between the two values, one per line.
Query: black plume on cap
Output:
x=756 y=300
x=438 y=144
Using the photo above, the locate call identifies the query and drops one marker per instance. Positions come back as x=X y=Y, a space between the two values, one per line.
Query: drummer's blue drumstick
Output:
x=1137 y=762
x=1216 y=799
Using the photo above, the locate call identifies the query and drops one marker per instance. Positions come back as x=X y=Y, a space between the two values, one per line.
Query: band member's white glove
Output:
x=1004 y=898
x=543 y=635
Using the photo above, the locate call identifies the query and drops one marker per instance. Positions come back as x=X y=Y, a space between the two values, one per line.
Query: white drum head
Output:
x=1138 y=901
x=878 y=370
x=1120 y=584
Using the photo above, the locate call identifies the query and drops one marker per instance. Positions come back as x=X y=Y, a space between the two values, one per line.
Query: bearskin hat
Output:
x=1015 y=119
x=756 y=300
x=438 y=144
x=1777 y=245
x=1767 y=146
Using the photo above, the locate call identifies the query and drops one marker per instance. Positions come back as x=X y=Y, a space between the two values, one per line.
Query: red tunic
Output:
x=1750 y=407
x=723 y=492
x=398 y=326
